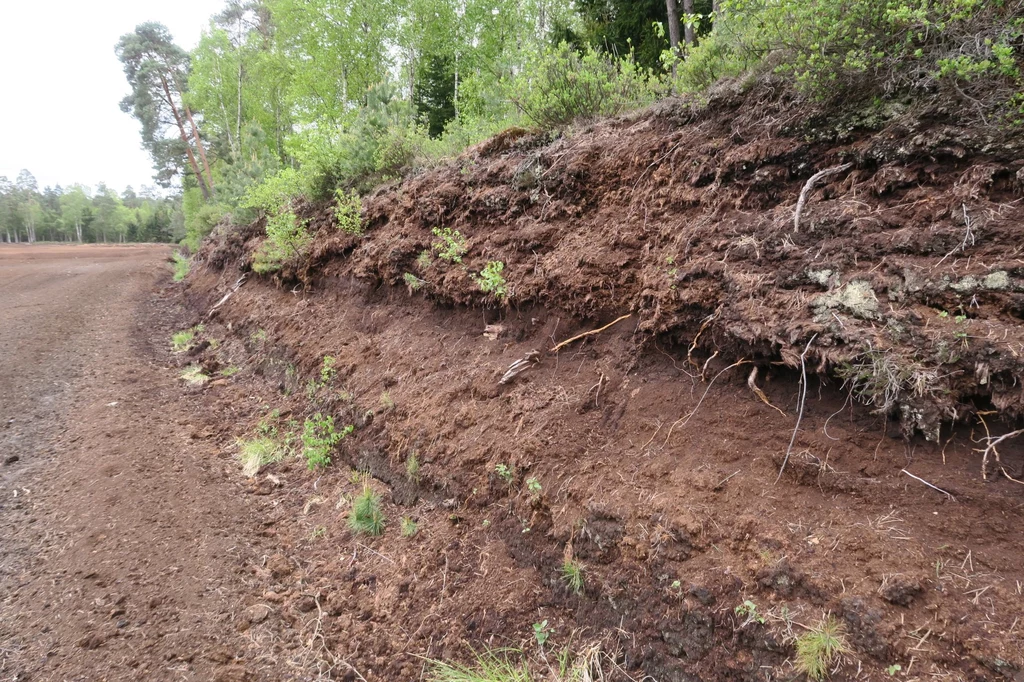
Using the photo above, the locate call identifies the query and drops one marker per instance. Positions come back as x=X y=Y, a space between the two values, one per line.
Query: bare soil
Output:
x=657 y=464
x=126 y=550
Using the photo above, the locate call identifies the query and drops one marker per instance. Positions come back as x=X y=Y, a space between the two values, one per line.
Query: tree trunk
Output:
x=199 y=146
x=673 y=24
x=688 y=35
x=184 y=138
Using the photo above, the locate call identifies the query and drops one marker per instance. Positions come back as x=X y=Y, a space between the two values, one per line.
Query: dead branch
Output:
x=520 y=366
x=933 y=487
x=752 y=385
x=809 y=185
x=800 y=403
x=591 y=332
x=222 y=301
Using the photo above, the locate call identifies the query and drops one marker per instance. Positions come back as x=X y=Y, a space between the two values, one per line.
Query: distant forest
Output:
x=80 y=214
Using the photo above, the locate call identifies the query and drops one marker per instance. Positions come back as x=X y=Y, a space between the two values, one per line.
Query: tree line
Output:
x=353 y=93
x=80 y=214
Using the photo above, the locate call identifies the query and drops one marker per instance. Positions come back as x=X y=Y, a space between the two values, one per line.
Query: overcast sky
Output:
x=60 y=85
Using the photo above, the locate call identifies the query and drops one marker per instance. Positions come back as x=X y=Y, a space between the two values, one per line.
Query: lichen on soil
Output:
x=656 y=464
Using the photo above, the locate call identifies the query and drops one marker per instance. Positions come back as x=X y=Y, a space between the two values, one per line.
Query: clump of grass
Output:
x=258 y=452
x=193 y=374
x=409 y=527
x=572 y=575
x=366 y=517
x=182 y=266
x=183 y=340
x=230 y=371
x=497 y=665
x=412 y=468
x=818 y=649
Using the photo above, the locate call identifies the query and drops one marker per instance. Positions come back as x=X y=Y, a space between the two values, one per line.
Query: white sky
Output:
x=60 y=86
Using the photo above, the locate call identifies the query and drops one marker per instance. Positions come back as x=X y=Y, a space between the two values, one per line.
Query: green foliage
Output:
x=319 y=438
x=412 y=281
x=820 y=648
x=572 y=575
x=451 y=245
x=506 y=472
x=287 y=238
x=366 y=517
x=424 y=260
x=534 y=487
x=491 y=281
x=561 y=85
x=825 y=46
x=182 y=266
x=200 y=217
x=347 y=211
x=409 y=527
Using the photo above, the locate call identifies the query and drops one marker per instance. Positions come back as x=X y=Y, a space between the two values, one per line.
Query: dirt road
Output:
x=125 y=551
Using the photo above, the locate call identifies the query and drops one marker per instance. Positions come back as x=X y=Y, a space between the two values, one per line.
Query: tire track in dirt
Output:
x=127 y=554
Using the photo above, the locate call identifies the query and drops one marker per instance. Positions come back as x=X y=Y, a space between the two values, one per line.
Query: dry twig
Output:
x=752 y=385
x=800 y=405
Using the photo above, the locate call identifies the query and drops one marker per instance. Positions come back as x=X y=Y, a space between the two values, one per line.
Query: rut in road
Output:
x=127 y=552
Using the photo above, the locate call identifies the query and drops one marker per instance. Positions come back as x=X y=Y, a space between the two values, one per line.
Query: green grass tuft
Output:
x=572 y=575
x=193 y=374
x=409 y=527
x=257 y=453
x=491 y=666
x=366 y=517
x=820 y=648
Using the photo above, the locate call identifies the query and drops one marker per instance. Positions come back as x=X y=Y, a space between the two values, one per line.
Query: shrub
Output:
x=409 y=527
x=318 y=438
x=182 y=266
x=561 y=85
x=287 y=238
x=366 y=517
x=348 y=208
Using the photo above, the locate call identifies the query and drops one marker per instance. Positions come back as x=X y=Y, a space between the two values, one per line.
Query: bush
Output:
x=491 y=281
x=319 y=438
x=348 y=210
x=826 y=46
x=561 y=85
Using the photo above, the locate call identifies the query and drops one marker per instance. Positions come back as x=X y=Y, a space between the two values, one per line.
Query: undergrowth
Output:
x=181 y=266
x=820 y=648
x=367 y=517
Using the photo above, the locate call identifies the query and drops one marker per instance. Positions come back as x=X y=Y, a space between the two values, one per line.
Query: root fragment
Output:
x=811 y=182
x=752 y=385
x=990 y=450
x=592 y=331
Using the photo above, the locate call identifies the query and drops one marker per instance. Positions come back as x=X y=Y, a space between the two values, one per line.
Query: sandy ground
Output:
x=123 y=547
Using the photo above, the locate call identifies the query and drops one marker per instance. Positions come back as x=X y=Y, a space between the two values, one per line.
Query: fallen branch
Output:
x=592 y=331
x=811 y=182
x=215 y=308
x=752 y=385
x=933 y=487
x=800 y=403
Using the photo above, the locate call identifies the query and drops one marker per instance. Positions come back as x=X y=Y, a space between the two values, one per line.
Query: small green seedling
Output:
x=541 y=632
x=366 y=517
x=409 y=527
x=748 y=611
x=506 y=472
x=572 y=575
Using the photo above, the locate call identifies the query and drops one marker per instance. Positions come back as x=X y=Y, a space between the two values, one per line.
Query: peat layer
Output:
x=657 y=443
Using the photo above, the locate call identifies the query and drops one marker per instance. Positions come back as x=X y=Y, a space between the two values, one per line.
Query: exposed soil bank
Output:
x=657 y=464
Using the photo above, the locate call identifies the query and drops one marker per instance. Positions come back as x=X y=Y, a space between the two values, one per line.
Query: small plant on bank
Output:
x=748 y=612
x=490 y=280
x=451 y=245
x=409 y=527
x=348 y=210
x=182 y=266
x=572 y=575
x=506 y=472
x=230 y=371
x=183 y=340
x=366 y=517
x=424 y=261
x=318 y=438
x=541 y=633
x=499 y=665
x=534 y=487
x=193 y=375
x=256 y=453
x=820 y=648
x=412 y=281
x=412 y=468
